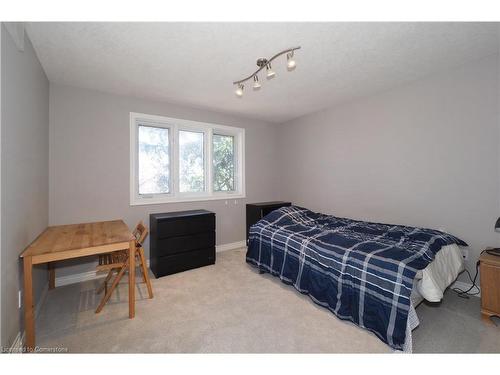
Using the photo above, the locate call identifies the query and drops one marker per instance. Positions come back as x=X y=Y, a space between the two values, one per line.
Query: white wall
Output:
x=24 y=168
x=424 y=154
x=89 y=163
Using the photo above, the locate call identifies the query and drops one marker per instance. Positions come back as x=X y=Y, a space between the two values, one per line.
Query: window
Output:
x=154 y=160
x=224 y=163
x=191 y=162
x=173 y=160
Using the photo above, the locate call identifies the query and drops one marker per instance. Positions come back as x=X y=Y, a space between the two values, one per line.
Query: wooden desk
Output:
x=75 y=241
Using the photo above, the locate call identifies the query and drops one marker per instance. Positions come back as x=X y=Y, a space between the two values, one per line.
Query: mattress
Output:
x=431 y=282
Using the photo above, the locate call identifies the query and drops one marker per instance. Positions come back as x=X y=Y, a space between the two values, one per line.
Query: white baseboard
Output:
x=92 y=275
x=78 y=278
x=230 y=246
x=17 y=345
x=465 y=286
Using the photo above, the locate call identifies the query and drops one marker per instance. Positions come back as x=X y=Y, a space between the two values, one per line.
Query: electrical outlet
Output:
x=19 y=299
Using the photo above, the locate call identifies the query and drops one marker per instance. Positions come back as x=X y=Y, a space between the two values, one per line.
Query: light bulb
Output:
x=256 y=83
x=270 y=72
x=291 y=64
x=239 y=91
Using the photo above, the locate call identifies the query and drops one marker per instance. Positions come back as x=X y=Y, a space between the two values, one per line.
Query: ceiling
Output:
x=194 y=64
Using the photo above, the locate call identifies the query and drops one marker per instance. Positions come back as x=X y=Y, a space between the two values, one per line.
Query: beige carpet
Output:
x=225 y=308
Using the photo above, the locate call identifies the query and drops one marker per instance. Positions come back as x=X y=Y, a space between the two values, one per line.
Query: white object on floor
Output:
x=440 y=273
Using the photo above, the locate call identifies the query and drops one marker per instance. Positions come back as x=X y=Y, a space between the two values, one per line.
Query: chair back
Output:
x=140 y=233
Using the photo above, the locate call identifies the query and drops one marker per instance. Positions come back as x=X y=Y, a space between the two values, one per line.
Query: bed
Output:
x=371 y=274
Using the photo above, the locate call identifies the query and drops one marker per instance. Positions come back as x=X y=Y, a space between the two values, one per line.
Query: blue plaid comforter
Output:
x=362 y=272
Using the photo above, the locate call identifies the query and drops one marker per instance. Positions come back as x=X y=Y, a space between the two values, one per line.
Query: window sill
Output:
x=150 y=201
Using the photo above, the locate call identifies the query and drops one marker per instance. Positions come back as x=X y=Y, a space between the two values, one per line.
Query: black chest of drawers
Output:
x=181 y=241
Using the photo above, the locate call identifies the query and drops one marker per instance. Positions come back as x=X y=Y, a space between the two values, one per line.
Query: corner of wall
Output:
x=24 y=81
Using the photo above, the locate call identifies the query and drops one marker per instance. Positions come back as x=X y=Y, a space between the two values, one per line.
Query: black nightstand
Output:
x=256 y=211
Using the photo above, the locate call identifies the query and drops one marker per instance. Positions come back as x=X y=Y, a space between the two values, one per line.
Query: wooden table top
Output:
x=76 y=239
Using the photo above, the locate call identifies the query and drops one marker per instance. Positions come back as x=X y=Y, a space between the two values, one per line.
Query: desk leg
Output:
x=29 y=317
x=131 y=280
x=52 y=275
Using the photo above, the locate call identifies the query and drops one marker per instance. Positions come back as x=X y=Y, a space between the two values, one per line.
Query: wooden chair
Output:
x=118 y=261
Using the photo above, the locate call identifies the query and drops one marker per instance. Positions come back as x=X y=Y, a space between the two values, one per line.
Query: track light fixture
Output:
x=256 y=83
x=270 y=73
x=239 y=90
x=290 y=62
x=265 y=63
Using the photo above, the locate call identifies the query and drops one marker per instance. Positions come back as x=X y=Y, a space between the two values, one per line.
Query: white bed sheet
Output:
x=440 y=273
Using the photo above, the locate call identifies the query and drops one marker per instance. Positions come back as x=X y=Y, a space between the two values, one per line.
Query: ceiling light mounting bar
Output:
x=262 y=63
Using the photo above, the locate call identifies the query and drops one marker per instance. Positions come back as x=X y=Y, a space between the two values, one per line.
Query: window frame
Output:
x=192 y=194
x=236 y=146
x=154 y=124
x=175 y=125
